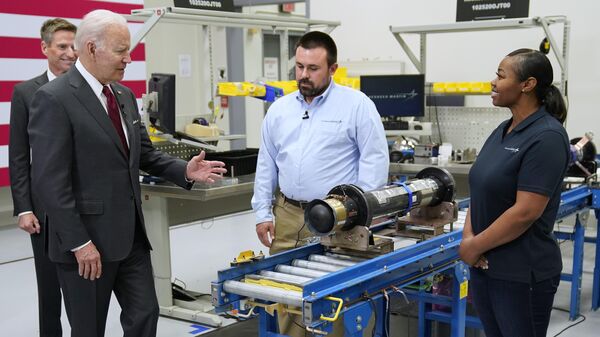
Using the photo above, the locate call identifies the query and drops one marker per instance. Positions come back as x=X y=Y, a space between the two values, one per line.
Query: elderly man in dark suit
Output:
x=88 y=144
x=58 y=36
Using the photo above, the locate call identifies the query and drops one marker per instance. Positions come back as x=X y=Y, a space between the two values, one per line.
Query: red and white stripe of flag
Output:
x=21 y=57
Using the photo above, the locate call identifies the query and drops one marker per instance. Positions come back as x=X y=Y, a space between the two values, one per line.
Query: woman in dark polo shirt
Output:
x=515 y=193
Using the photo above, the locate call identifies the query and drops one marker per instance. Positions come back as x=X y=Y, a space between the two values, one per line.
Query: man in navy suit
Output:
x=58 y=36
x=88 y=144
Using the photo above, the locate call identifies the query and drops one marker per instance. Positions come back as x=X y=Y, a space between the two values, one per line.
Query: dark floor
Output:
x=245 y=328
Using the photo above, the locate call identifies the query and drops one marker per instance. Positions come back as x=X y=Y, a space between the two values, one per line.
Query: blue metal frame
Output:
x=404 y=267
x=457 y=318
x=578 y=201
x=357 y=315
x=463 y=203
x=398 y=268
x=268 y=324
x=596 y=285
x=574 y=200
x=574 y=277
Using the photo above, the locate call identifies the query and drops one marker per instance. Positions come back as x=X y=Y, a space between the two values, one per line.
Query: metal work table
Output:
x=203 y=192
x=165 y=205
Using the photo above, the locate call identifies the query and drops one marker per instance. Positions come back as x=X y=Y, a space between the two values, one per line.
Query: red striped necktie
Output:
x=115 y=116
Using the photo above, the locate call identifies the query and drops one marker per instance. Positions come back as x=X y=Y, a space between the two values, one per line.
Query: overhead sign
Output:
x=216 y=5
x=468 y=10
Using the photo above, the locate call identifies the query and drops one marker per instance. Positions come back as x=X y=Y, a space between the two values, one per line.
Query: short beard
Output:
x=312 y=92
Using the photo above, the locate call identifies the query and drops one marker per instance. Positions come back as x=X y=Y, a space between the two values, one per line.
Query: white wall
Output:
x=164 y=45
x=364 y=34
x=253 y=68
x=255 y=108
x=208 y=246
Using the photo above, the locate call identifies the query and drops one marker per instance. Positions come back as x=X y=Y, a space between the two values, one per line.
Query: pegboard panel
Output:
x=465 y=127
x=180 y=150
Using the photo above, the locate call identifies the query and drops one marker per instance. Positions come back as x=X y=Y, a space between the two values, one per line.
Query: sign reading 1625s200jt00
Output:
x=217 y=5
x=468 y=10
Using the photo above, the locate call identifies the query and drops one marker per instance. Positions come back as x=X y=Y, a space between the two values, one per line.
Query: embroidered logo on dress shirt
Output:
x=512 y=149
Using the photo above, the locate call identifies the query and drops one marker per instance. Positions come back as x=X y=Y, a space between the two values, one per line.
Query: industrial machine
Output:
x=343 y=219
x=583 y=157
x=357 y=263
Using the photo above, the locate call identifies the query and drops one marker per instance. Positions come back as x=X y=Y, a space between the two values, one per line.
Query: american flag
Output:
x=21 y=57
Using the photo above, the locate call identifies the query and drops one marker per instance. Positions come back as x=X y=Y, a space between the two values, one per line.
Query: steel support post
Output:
x=267 y=324
x=460 y=287
x=596 y=286
x=578 y=240
x=424 y=307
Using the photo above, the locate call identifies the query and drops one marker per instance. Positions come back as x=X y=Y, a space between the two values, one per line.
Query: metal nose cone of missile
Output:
x=319 y=217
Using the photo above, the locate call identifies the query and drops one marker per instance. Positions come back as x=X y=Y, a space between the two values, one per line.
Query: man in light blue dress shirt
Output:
x=313 y=139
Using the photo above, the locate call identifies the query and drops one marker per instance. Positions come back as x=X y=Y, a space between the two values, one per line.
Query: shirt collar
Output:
x=319 y=99
x=50 y=75
x=541 y=112
x=90 y=79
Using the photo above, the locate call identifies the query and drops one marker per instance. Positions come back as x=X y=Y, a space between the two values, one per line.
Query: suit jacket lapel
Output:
x=90 y=101
x=42 y=79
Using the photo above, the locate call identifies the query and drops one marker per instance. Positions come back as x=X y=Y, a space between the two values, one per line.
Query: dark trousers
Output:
x=48 y=288
x=513 y=309
x=131 y=280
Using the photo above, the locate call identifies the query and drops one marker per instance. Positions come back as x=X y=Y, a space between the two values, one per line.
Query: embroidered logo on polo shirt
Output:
x=512 y=149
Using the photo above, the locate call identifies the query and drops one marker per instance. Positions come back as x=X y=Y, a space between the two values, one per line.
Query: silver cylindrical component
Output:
x=282 y=268
x=281 y=277
x=264 y=293
x=273 y=279
x=330 y=260
x=346 y=257
x=316 y=265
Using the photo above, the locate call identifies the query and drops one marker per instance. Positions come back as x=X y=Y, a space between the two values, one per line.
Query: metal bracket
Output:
x=157 y=14
x=485 y=25
x=415 y=61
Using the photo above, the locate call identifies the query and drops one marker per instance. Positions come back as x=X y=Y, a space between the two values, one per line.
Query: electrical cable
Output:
x=213 y=89
x=572 y=325
x=250 y=314
x=184 y=286
x=437 y=119
x=429 y=118
x=298 y=235
x=386 y=323
x=299 y=325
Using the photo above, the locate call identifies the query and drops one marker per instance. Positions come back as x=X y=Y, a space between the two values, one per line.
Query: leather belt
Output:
x=296 y=203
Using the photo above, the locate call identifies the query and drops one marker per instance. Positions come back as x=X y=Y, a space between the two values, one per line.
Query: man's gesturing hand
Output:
x=202 y=170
